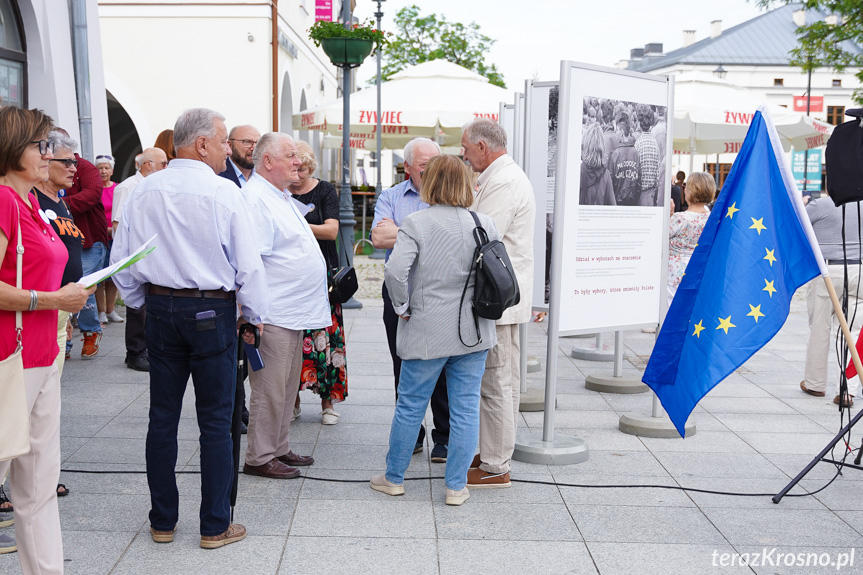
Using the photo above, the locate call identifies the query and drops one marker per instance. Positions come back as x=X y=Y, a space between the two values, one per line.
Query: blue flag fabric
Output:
x=756 y=249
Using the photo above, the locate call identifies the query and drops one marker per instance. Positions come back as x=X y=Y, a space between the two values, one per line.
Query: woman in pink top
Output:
x=106 y=293
x=685 y=227
x=24 y=158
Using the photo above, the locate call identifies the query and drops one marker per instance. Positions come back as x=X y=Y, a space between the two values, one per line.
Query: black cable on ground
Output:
x=530 y=481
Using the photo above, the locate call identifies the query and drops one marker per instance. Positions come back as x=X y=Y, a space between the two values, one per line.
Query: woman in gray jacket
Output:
x=425 y=277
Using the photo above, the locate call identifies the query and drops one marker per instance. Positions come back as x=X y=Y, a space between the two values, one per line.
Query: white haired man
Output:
x=152 y=160
x=505 y=194
x=297 y=275
x=206 y=262
x=393 y=205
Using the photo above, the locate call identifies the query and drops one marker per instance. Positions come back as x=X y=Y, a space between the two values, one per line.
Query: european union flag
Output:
x=756 y=249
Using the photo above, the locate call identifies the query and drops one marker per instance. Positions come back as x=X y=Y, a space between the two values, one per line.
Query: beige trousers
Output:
x=498 y=403
x=823 y=329
x=62 y=320
x=33 y=478
x=274 y=391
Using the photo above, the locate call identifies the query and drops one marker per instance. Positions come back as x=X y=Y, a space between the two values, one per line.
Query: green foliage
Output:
x=826 y=45
x=323 y=29
x=424 y=38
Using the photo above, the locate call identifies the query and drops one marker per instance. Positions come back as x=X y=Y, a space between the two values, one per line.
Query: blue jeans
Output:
x=180 y=345
x=92 y=259
x=417 y=382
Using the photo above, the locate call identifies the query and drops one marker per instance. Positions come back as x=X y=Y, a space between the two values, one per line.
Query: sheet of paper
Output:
x=92 y=279
x=303 y=208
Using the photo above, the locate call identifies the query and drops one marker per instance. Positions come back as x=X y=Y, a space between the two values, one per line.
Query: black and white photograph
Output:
x=623 y=150
x=553 y=98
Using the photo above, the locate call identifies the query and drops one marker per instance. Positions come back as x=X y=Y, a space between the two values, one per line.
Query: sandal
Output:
x=62 y=490
x=4 y=501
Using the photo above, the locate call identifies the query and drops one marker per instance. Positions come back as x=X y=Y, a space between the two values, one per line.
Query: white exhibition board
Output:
x=611 y=209
x=540 y=165
x=506 y=118
x=518 y=129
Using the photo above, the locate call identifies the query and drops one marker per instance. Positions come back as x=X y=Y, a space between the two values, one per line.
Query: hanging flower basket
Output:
x=346 y=47
x=347 y=51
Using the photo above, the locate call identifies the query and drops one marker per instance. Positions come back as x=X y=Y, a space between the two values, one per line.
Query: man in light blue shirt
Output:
x=206 y=262
x=392 y=207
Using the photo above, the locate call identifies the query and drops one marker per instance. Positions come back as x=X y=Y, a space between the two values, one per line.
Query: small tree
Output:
x=829 y=45
x=420 y=39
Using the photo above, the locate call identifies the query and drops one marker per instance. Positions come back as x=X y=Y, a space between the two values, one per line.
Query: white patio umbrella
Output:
x=433 y=99
x=712 y=116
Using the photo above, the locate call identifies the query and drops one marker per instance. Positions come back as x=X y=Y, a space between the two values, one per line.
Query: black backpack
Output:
x=496 y=288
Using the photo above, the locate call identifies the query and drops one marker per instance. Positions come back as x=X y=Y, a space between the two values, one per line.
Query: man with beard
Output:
x=240 y=165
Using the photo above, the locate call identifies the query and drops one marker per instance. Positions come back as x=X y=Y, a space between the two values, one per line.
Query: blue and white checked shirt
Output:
x=397 y=203
x=206 y=238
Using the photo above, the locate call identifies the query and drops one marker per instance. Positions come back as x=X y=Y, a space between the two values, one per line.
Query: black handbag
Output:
x=342 y=283
x=495 y=287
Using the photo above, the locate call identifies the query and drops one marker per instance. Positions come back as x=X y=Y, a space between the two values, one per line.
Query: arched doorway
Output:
x=286 y=108
x=13 y=57
x=125 y=142
x=304 y=134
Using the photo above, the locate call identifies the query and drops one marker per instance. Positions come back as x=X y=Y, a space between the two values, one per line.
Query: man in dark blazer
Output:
x=239 y=165
x=239 y=168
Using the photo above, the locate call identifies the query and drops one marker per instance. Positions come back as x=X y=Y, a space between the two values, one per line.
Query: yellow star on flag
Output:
x=770 y=257
x=755 y=312
x=769 y=288
x=731 y=210
x=698 y=329
x=724 y=324
x=758 y=225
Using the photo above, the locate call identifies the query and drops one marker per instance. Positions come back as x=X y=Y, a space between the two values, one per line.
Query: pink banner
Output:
x=324 y=10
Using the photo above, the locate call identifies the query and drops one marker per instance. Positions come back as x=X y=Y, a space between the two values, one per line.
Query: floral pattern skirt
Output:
x=324 y=364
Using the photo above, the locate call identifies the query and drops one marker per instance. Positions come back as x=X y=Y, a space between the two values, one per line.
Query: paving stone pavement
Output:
x=755 y=431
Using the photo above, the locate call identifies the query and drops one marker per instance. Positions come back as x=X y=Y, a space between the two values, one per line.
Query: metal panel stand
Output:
x=656 y=424
x=615 y=382
x=529 y=399
x=596 y=352
x=533 y=364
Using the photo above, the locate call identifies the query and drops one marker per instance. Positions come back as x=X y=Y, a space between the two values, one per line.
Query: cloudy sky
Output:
x=533 y=36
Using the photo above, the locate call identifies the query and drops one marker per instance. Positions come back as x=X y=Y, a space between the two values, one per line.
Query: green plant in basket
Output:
x=323 y=29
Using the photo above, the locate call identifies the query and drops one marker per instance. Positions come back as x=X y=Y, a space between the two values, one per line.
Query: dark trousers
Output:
x=439 y=400
x=180 y=345
x=136 y=339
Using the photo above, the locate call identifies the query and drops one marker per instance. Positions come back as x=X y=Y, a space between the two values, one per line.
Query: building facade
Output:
x=38 y=65
x=163 y=56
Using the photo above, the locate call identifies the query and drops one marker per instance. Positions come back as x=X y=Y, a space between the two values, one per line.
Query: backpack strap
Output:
x=477 y=236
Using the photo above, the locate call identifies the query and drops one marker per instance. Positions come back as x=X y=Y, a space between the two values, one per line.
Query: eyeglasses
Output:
x=67 y=162
x=155 y=163
x=246 y=143
x=44 y=146
x=104 y=157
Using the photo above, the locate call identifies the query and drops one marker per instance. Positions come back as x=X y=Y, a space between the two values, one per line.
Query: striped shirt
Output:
x=648 y=157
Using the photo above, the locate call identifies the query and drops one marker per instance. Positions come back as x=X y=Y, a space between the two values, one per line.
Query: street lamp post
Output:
x=378 y=254
x=346 y=211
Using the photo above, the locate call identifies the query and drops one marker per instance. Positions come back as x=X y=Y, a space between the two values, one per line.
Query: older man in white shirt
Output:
x=206 y=262
x=297 y=275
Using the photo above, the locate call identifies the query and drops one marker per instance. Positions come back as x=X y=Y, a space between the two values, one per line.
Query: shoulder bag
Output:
x=343 y=282
x=496 y=287
x=14 y=415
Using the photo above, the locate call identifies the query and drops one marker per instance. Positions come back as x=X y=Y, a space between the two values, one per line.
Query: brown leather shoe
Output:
x=476 y=461
x=849 y=401
x=273 y=469
x=234 y=533
x=477 y=478
x=811 y=392
x=295 y=460
x=163 y=536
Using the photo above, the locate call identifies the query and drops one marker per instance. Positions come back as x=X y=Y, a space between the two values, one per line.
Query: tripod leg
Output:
x=778 y=497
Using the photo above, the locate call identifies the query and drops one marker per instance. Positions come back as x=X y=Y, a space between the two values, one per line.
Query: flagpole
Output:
x=837 y=308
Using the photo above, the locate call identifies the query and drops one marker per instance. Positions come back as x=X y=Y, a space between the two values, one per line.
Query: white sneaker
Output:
x=114 y=317
x=297 y=411
x=384 y=485
x=329 y=416
x=457 y=497
x=103 y=319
